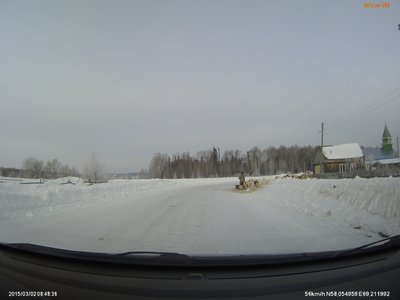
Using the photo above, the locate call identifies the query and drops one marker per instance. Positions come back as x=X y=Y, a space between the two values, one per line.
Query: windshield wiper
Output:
x=148 y=253
x=132 y=257
x=386 y=243
x=155 y=258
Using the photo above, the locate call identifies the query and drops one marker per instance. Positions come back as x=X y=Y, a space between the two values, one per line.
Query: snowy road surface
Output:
x=203 y=216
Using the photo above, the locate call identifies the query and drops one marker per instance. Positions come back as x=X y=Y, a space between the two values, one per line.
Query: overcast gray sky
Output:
x=130 y=78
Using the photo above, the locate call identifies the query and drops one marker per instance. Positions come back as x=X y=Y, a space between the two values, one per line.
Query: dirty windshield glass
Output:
x=199 y=127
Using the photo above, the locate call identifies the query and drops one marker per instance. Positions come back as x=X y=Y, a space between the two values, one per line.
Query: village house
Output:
x=348 y=158
x=341 y=158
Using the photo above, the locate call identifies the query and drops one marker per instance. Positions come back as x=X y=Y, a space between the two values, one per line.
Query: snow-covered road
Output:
x=192 y=217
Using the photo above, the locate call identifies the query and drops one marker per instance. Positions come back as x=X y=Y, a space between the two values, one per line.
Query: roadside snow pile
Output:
x=360 y=203
x=378 y=196
x=19 y=200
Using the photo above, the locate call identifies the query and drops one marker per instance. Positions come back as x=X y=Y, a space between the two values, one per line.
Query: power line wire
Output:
x=373 y=106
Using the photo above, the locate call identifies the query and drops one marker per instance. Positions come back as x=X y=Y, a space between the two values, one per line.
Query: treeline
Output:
x=34 y=168
x=93 y=170
x=212 y=163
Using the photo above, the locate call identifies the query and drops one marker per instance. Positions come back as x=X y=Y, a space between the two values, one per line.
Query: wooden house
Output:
x=341 y=158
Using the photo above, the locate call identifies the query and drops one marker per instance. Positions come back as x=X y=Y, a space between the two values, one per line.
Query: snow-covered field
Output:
x=200 y=216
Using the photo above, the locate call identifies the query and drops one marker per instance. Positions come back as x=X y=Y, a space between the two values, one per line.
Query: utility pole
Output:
x=322 y=134
x=397 y=140
x=322 y=145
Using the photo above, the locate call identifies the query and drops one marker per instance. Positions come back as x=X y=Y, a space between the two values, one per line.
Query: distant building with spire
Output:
x=387 y=145
x=384 y=155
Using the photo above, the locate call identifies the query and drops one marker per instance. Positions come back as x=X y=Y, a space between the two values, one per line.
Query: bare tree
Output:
x=52 y=168
x=94 y=169
x=65 y=171
x=32 y=167
x=74 y=172
x=158 y=165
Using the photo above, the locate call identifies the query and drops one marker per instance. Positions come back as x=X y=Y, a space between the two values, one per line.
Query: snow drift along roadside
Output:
x=378 y=196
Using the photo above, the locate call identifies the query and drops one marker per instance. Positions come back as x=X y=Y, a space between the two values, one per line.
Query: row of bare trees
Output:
x=35 y=168
x=93 y=171
x=211 y=163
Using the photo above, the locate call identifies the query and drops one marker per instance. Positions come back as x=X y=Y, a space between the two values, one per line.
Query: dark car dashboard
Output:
x=36 y=272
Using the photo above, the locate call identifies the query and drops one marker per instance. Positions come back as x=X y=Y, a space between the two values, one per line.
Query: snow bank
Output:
x=372 y=204
x=378 y=196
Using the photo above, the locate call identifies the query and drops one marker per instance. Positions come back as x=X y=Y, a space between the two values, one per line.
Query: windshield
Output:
x=199 y=127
